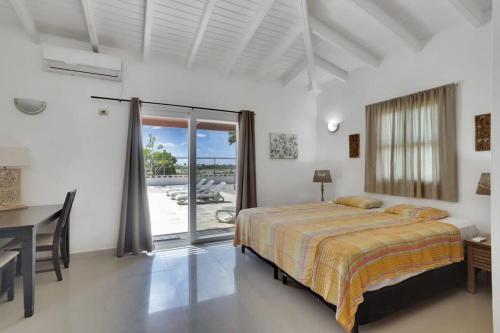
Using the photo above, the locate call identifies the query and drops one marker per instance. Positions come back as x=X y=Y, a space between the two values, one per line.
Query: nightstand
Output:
x=478 y=257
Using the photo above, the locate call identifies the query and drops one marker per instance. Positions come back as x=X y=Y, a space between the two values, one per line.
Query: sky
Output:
x=174 y=140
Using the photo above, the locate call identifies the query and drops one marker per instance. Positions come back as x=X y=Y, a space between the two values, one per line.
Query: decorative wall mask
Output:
x=483 y=132
x=354 y=145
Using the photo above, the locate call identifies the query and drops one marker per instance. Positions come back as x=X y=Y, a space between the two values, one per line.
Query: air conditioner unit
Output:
x=81 y=63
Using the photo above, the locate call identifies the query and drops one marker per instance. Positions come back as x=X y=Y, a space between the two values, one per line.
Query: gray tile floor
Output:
x=209 y=289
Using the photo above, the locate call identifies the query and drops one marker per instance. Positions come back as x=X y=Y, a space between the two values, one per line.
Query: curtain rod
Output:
x=167 y=104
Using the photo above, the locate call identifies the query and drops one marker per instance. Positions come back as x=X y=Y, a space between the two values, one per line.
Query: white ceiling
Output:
x=258 y=38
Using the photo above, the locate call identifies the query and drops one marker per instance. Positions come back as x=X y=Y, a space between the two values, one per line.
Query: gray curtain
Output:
x=135 y=225
x=411 y=145
x=246 y=196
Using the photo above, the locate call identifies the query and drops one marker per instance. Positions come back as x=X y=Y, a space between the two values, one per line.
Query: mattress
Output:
x=467 y=231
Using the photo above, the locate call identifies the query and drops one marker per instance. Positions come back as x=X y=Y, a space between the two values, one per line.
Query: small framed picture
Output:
x=354 y=145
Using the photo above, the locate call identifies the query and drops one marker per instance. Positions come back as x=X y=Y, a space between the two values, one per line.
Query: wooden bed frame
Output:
x=385 y=301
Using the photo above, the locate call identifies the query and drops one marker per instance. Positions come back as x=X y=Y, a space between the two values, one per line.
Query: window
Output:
x=411 y=146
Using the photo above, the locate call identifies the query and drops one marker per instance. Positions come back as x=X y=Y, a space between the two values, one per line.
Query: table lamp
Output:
x=322 y=176
x=11 y=159
x=483 y=186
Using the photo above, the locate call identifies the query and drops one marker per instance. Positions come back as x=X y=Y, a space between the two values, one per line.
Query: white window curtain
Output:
x=411 y=146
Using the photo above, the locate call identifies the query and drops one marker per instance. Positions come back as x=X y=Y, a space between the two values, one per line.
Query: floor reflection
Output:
x=193 y=275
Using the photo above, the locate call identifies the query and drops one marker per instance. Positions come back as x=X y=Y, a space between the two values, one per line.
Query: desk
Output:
x=23 y=224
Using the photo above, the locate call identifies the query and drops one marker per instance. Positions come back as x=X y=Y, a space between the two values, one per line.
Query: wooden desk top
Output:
x=28 y=217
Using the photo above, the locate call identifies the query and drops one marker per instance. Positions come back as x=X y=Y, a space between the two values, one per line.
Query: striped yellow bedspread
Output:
x=340 y=251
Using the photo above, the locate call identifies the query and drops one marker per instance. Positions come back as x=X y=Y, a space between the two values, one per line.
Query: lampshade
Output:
x=483 y=186
x=322 y=176
x=14 y=157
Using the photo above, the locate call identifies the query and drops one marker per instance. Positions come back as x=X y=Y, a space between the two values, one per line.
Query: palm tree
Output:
x=231 y=137
x=158 y=161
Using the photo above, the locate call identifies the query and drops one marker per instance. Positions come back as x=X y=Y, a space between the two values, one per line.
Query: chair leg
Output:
x=19 y=264
x=8 y=281
x=12 y=287
x=66 y=242
x=55 y=262
x=5 y=281
x=64 y=253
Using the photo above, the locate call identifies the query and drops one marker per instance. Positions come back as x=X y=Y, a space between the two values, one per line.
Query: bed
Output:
x=358 y=261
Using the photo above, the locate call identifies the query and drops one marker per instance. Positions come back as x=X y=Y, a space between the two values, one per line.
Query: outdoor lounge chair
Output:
x=210 y=195
x=205 y=188
x=183 y=188
x=226 y=215
x=198 y=190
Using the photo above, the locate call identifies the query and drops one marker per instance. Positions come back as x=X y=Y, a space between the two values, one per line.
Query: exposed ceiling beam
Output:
x=306 y=34
x=333 y=69
x=24 y=15
x=407 y=37
x=472 y=12
x=89 y=20
x=248 y=34
x=278 y=51
x=202 y=27
x=333 y=37
x=148 y=24
x=294 y=71
x=299 y=66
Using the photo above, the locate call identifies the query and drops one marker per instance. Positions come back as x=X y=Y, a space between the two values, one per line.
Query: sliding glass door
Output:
x=213 y=160
x=165 y=140
x=190 y=163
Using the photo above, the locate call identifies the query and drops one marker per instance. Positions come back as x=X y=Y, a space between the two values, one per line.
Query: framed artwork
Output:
x=354 y=145
x=483 y=132
x=284 y=146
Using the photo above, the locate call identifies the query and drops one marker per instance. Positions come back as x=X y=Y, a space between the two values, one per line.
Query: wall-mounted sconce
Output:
x=29 y=106
x=333 y=126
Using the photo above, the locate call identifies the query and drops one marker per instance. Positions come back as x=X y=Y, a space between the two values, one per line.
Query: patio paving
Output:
x=168 y=217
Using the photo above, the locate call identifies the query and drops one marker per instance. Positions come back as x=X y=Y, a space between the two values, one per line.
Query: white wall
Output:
x=495 y=166
x=72 y=147
x=463 y=55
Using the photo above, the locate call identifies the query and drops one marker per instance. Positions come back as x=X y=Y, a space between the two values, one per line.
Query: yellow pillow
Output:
x=418 y=212
x=359 y=201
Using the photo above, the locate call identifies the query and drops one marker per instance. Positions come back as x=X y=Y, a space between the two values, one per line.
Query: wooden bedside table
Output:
x=478 y=257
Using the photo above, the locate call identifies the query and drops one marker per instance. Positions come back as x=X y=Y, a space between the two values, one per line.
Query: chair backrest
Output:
x=218 y=187
x=201 y=182
x=63 y=221
x=206 y=186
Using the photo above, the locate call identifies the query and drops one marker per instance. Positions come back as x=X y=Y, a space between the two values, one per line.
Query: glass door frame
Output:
x=192 y=115
x=196 y=115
